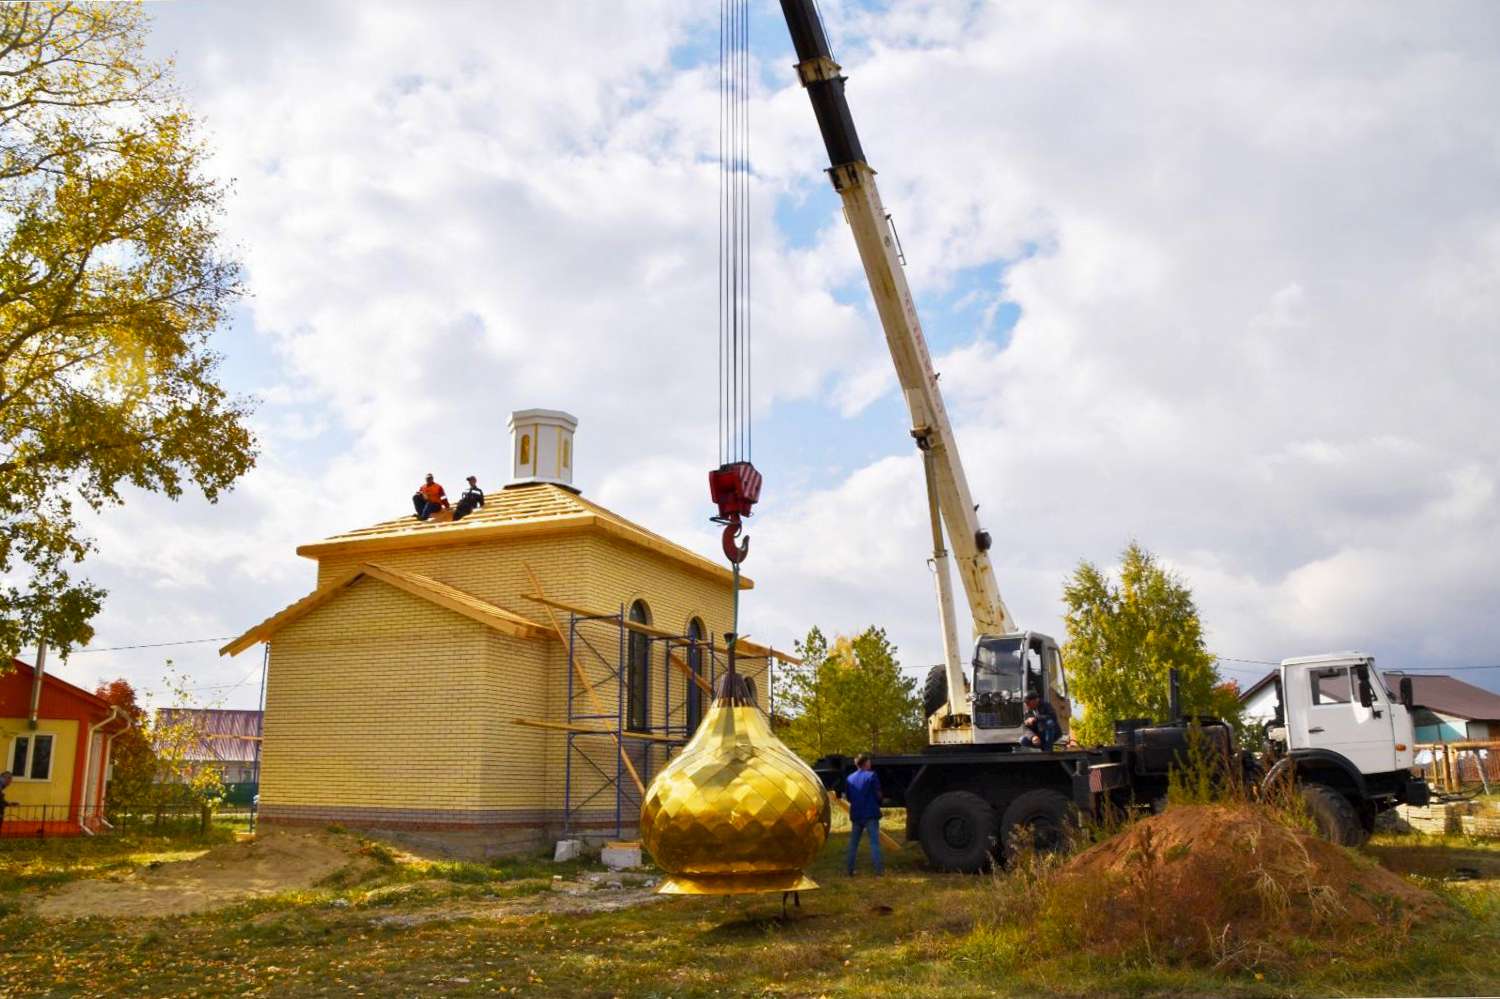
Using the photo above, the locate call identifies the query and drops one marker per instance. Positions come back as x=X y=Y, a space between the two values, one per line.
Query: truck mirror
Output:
x=1408 y=699
x=1366 y=695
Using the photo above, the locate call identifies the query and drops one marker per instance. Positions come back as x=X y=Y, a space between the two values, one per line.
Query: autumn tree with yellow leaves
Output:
x=849 y=697
x=111 y=284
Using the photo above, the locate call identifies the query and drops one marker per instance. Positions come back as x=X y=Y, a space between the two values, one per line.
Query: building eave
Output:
x=449 y=535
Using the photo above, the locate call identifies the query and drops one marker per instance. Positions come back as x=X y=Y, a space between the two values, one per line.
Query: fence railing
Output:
x=41 y=821
x=1453 y=766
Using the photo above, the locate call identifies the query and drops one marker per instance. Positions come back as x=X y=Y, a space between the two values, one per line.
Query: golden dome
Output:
x=737 y=811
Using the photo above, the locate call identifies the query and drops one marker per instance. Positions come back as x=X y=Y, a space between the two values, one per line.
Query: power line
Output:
x=153 y=645
x=1383 y=668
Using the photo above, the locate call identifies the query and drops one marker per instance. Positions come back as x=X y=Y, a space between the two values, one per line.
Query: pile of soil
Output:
x=230 y=873
x=1209 y=882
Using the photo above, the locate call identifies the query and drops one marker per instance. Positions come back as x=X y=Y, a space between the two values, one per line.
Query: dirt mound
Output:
x=1221 y=882
x=226 y=874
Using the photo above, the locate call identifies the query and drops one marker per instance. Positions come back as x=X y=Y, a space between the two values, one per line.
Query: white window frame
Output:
x=31 y=756
x=1328 y=673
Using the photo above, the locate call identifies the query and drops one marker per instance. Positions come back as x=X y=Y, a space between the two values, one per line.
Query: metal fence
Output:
x=41 y=821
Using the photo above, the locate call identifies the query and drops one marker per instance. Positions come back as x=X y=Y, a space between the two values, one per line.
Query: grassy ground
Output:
x=396 y=927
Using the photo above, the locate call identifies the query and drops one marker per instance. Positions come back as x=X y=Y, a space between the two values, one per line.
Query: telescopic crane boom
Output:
x=950 y=502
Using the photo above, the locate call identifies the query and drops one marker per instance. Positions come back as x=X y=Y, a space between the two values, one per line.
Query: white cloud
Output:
x=1255 y=249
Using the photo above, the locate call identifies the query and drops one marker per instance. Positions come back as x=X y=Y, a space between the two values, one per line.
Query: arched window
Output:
x=638 y=672
x=698 y=633
x=525 y=458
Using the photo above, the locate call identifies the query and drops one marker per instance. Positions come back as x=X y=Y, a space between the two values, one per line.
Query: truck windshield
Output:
x=999 y=673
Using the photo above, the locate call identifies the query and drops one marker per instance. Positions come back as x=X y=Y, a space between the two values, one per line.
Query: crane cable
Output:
x=735 y=443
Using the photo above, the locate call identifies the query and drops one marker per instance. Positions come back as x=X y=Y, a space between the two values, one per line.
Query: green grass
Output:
x=911 y=932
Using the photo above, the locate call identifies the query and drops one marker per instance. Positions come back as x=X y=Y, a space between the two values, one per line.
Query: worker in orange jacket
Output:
x=429 y=498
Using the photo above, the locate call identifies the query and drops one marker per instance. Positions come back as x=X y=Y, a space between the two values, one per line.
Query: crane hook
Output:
x=735 y=553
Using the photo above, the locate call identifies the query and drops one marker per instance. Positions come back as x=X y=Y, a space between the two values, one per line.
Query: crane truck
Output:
x=974 y=791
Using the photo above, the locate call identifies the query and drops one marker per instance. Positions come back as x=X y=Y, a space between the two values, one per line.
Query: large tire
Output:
x=957 y=832
x=935 y=690
x=1333 y=814
x=1042 y=820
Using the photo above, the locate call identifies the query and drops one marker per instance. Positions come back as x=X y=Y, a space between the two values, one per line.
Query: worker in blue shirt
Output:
x=862 y=789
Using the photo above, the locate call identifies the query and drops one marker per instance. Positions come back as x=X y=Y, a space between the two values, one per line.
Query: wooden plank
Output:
x=889 y=841
x=457 y=601
x=745 y=645
x=587 y=686
x=591 y=730
x=317 y=598
x=644 y=629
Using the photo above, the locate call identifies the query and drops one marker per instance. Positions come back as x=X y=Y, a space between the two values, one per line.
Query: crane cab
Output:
x=1005 y=669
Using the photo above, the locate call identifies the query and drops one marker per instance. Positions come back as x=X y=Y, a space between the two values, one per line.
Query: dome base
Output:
x=735 y=884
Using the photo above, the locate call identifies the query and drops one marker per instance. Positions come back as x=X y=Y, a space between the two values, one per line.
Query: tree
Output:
x=849 y=698
x=132 y=760
x=1122 y=640
x=111 y=283
x=156 y=763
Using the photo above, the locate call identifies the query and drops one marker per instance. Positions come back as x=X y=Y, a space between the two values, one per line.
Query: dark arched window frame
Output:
x=698 y=632
x=638 y=672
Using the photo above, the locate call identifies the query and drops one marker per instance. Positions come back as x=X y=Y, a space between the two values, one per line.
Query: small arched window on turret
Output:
x=567 y=453
x=525 y=457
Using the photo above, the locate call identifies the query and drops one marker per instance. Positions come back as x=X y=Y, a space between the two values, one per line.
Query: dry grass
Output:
x=910 y=933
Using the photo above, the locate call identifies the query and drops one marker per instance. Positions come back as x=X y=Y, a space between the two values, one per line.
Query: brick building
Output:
x=423 y=685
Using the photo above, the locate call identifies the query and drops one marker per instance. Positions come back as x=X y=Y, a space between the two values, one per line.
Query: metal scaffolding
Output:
x=633 y=751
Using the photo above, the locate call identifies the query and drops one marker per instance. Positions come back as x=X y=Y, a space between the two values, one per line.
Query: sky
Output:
x=1223 y=279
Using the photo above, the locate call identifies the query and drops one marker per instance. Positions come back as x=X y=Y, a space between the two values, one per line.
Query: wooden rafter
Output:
x=595 y=730
x=430 y=590
x=744 y=645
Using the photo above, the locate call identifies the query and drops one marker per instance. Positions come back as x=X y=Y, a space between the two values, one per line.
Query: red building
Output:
x=56 y=739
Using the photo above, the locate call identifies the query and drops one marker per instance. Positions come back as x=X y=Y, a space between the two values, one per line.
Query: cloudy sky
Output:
x=1222 y=278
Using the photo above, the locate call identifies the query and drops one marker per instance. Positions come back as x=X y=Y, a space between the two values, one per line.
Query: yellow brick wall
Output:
x=380 y=699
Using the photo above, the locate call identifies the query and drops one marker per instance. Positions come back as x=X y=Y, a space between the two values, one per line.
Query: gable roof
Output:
x=535 y=508
x=431 y=590
x=1258 y=686
x=222 y=735
x=59 y=685
x=1446 y=695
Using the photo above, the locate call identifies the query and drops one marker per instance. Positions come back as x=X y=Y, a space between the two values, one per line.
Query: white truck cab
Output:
x=1349 y=741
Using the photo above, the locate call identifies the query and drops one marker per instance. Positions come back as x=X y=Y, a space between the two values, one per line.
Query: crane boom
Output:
x=854 y=180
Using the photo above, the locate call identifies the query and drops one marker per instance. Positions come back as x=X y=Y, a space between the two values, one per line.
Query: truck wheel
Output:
x=1331 y=812
x=1042 y=820
x=957 y=832
x=935 y=689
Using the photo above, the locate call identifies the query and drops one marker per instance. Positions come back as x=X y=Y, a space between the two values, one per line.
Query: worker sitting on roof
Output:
x=473 y=497
x=429 y=499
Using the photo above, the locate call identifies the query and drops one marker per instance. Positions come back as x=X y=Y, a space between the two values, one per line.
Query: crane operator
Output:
x=1040 y=728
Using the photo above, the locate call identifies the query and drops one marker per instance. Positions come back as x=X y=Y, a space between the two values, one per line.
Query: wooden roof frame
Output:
x=434 y=592
x=588 y=516
x=746 y=647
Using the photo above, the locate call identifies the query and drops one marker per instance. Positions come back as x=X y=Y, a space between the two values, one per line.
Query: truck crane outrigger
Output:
x=1007 y=661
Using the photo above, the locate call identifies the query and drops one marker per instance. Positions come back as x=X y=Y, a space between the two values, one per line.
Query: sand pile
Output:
x=230 y=873
x=1219 y=882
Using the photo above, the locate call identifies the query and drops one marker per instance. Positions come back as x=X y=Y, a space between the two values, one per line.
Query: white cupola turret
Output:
x=541 y=447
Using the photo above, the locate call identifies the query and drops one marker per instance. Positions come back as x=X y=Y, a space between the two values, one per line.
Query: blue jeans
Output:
x=856 y=828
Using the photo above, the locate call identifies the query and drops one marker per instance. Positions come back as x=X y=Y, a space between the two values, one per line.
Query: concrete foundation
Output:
x=619 y=856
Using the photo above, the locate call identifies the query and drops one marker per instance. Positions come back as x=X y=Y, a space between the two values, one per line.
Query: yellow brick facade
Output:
x=386 y=709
